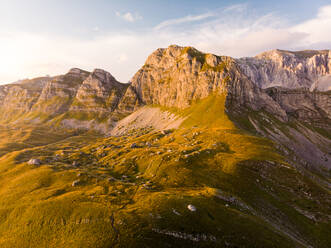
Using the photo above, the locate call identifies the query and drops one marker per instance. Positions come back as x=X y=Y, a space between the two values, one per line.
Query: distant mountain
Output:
x=287 y=69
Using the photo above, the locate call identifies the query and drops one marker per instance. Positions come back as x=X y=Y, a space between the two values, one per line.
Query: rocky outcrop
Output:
x=130 y=101
x=287 y=69
x=18 y=98
x=99 y=92
x=173 y=77
x=301 y=104
x=77 y=99
x=58 y=94
x=177 y=76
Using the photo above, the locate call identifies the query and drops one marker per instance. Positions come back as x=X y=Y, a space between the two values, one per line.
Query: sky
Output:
x=48 y=37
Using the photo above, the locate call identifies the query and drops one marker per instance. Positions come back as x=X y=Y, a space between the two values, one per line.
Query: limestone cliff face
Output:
x=58 y=94
x=77 y=94
x=295 y=118
x=18 y=98
x=130 y=101
x=177 y=76
x=99 y=92
x=174 y=77
x=287 y=69
x=322 y=84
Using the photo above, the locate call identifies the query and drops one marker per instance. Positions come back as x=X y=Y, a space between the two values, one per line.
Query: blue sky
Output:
x=39 y=37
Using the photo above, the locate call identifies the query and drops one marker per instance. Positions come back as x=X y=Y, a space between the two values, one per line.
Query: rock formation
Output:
x=287 y=69
x=76 y=95
x=177 y=76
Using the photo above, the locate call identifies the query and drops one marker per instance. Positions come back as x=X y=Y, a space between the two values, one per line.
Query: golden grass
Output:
x=206 y=157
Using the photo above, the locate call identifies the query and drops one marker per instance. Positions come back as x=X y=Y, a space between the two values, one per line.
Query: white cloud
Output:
x=234 y=32
x=129 y=16
x=316 y=29
x=236 y=7
x=182 y=20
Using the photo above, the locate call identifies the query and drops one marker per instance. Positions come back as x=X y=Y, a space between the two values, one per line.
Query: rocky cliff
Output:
x=301 y=104
x=178 y=76
x=78 y=95
x=18 y=98
x=288 y=69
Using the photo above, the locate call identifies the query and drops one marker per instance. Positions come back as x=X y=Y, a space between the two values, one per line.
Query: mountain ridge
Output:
x=290 y=69
x=199 y=68
x=191 y=153
x=176 y=77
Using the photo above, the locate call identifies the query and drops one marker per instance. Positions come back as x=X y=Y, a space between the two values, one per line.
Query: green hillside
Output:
x=134 y=190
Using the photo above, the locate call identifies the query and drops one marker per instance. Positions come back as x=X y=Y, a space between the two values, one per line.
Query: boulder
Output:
x=34 y=161
x=192 y=208
x=75 y=183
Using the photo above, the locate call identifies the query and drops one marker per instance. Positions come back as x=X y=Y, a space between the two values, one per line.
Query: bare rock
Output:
x=34 y=161
x=75 y=183
x=287 y=69
x=191 y=207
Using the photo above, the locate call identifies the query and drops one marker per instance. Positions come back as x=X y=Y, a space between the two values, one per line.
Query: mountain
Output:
x=198 y=150
x=78 y=99
x=288 y=69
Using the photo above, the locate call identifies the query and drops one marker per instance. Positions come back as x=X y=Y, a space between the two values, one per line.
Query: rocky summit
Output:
x=197 y=150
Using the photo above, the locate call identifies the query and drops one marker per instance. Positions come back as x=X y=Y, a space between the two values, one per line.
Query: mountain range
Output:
x=196 y=150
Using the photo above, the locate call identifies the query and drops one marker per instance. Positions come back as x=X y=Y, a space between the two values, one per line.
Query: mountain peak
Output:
x=303 y=54
x=289 y=69
x=174 y=54
x=102 y=75
x=77 y=72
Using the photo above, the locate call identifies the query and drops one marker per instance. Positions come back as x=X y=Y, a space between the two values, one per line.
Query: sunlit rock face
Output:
x=177 y=76
x=76 y=94
x=58 y=93
x=99 y=92
x=19 y=97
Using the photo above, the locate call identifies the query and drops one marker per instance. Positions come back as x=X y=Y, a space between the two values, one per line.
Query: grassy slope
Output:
x=243 y=190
